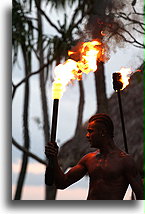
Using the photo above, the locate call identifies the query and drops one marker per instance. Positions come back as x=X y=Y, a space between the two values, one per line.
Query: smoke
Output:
x=111 y=21
x=103 y=24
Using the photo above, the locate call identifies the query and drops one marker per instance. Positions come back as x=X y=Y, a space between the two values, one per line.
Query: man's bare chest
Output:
x=104 y=167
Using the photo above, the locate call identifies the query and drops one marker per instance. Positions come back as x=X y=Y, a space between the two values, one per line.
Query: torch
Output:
x=118 y=85
x=56 y=94
x=120 y=81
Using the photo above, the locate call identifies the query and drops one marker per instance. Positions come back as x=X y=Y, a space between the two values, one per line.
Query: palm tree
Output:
x=59 y=50
x=22 y=24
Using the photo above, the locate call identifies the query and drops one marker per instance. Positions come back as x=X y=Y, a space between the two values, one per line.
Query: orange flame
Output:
x=83 y=61
x=102 y=33
x=126 y=73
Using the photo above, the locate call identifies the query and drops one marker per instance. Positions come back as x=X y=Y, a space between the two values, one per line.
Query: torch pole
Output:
x=123 y=129
x=50 y=180
x=54 y=119
x=122 y=120
x=117 y=85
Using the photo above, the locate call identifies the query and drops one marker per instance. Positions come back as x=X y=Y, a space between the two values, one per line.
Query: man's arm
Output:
x=62 y=180
x=133 y=177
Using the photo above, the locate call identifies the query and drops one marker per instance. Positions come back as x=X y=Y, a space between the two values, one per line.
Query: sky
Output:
x=34 y=183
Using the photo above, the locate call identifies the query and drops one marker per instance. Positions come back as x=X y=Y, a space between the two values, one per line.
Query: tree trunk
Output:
x=80 y=108
x=97 y=16
x=49 y=192
x=22 y=174
x=102 y=102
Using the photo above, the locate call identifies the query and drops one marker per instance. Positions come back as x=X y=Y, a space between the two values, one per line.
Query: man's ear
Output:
x=103 y=132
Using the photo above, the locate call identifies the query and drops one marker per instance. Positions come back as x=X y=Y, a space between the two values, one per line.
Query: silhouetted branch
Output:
x=28 y=76
x=141 y=32
x=47 y=18
x=131 y=38
x=137 y=13
x=133 y=21
x=134 y=40
x=30 y=154
x=77 y=10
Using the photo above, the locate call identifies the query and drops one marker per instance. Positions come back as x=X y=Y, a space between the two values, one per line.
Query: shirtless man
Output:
x=110 y=170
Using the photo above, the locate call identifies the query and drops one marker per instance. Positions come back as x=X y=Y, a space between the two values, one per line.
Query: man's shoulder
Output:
x=90 y=155
x=123 y=157
x=126 y=158
x=122 y=154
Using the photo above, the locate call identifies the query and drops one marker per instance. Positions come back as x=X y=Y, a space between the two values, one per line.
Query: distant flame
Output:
x=126 y=73
x=87 y=55
x=102 y=33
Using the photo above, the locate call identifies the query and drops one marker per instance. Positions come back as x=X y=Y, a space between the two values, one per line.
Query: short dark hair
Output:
x=105 y=120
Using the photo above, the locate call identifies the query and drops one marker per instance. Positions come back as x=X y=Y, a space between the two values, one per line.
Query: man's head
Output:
x=100 y=127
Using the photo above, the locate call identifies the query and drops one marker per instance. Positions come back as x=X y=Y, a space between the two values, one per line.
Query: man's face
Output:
x=94 y=134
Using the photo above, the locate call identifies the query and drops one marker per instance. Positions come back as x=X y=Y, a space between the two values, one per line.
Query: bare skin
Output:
x=110 y=169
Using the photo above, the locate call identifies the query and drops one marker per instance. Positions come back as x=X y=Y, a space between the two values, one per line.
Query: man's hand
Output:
x=51 y=149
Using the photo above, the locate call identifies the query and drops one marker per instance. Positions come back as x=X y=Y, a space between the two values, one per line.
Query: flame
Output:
x=102 y=33
x=72 y=69
x=63 y=74
x=89 y=53
x=126 y=73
